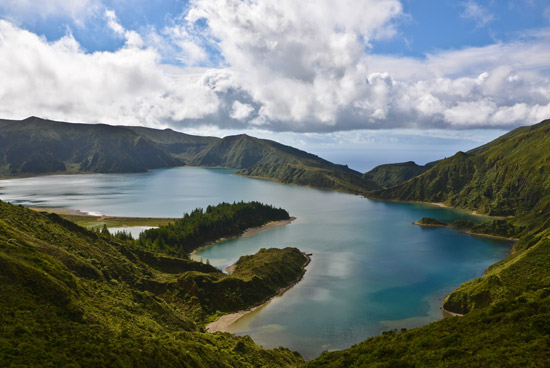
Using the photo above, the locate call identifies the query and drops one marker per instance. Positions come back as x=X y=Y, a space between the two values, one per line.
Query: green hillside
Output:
x=507 y=177
x=389 y=175
x=73 y=297
x=180 y=145
x=271 y=160
x=37 y=146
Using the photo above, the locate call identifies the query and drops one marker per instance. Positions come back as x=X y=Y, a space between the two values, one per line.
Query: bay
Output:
x=371 y=269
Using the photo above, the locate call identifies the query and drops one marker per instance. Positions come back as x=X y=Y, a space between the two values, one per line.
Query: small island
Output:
x=430 y=222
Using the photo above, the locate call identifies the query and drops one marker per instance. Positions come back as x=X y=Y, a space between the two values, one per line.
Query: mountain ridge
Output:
x=36 y=146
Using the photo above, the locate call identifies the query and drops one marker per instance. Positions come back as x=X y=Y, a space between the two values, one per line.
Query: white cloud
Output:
x=241 y=111
x=476 y=13
x=287 y=66
x=58 y=80
x=188 y=49
x=302 y=60
x=133 y=39
x=112 y=22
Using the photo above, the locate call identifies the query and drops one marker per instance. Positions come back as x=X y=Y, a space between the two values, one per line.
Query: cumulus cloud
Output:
x=59 y=80
x=285 y=65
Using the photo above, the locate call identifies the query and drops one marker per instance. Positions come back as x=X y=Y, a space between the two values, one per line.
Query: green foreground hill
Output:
x=36 y=146
x=72 y=297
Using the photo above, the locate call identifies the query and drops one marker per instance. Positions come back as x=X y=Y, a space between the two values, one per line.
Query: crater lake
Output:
x=371 y=269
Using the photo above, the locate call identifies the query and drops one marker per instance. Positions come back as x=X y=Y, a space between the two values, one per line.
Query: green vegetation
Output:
x=74 y=297
x=61 y=284
x=37 y=146
x=430 y=222
x=462 y=224
x=389 y=175
x=199 y=227
x=507 y=177
x=271 y=160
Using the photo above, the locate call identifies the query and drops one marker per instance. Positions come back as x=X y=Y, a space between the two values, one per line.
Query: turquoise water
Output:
x=371 y=269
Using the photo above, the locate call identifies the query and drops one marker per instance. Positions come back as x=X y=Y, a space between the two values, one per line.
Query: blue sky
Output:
x=427 y=26
x=362 y=81
x=435 y=25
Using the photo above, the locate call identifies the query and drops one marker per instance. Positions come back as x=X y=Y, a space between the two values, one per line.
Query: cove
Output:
x=371 y=269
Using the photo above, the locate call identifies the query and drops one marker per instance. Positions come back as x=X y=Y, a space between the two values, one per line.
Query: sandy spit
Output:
x=223 y=323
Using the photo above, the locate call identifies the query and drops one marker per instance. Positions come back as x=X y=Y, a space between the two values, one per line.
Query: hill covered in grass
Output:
x=37 y=146
x=73 y=297
x=389 y=175
x=506 y=177
x=268 y=159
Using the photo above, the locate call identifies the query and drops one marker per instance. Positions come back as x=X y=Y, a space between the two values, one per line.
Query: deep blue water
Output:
x=371 y=269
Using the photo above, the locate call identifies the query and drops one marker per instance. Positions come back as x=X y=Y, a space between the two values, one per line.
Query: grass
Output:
x=73 y=297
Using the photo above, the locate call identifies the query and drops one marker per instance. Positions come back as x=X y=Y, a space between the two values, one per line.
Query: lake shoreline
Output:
x=86 y=220
x=225 y=321
x=436 y=204
x=245 y=234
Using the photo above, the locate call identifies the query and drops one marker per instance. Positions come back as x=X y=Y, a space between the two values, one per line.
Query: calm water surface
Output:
x=371 y=269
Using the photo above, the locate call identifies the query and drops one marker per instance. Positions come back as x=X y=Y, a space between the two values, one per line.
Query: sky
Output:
x=359 y=82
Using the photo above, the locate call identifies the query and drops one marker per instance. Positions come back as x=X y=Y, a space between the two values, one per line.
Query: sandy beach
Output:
x=248 y=232
x=223 y=323
x=446 y=313
x=268 y=226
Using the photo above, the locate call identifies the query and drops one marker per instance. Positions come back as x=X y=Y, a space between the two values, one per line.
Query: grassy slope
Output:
x=389 y=175
x=508 y=309
x=37 y=146
x=70 y=297
x=180 y=145
x=507 y=177
x=272 y=160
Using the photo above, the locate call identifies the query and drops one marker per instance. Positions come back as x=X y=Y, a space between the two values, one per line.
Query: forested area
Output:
x=199 y=227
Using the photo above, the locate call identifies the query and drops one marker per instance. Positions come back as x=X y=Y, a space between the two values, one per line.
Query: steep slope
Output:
x=71 y=297
x=390 y=175
x=37 y=146
x=506 y=177
x=268 y=159
x=180 y=145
